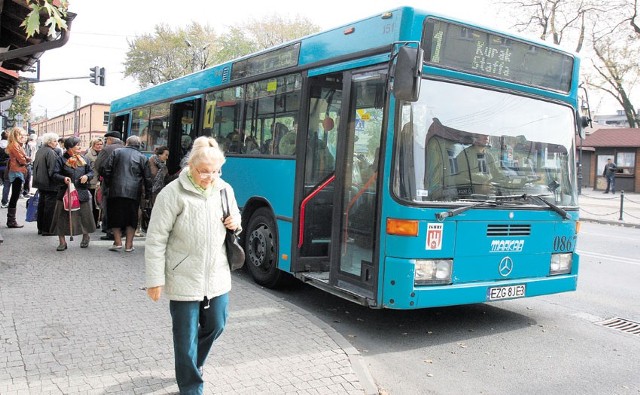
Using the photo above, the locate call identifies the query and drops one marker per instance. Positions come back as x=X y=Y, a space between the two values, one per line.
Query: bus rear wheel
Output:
x=261 y=248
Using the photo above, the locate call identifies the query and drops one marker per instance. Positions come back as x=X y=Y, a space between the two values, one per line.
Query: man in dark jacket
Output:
x=126 y=173
x=112 y=142
x=609 y=174
x=43 y=168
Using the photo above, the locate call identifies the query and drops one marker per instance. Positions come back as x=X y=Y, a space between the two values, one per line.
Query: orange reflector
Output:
x=578 y=224
x=285 y=257
x=349 y=30
x=402 y=227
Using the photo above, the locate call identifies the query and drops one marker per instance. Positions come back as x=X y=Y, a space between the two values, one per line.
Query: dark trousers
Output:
x=16 y=189
x=611 y=184
x=26 y=187
x=94 y=205
x=6 y=185
x=195 y=328
x=46 y=206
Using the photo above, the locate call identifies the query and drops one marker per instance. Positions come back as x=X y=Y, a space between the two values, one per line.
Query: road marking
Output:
x=608 y=235
x=610 y=257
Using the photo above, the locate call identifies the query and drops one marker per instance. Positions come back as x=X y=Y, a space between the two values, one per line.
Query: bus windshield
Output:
x=460 y=142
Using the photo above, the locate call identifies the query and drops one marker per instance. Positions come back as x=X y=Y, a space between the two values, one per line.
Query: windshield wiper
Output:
x=554 y=207
x=498 y=201
x=446 y=214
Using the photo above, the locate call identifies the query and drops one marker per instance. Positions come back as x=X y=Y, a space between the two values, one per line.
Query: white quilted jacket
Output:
x=184 y=249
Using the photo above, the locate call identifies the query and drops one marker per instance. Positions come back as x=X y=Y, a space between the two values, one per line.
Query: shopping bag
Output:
x=32 y=207
x=70 y=199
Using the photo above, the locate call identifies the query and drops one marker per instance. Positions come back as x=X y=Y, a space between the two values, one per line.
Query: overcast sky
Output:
x=100 y=32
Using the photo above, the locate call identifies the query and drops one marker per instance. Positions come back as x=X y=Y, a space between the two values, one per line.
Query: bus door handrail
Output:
x=303 y=206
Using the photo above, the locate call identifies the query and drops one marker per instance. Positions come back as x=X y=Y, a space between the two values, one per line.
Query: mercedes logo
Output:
x=506 y=266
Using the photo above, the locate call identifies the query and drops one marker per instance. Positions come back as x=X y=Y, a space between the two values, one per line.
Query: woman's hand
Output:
x=67 y=180
x=230 y=223
x=83 y=179
x=154 y=293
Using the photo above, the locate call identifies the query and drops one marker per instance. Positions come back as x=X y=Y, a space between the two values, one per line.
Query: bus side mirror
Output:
x=407 y=73
x=584 y=123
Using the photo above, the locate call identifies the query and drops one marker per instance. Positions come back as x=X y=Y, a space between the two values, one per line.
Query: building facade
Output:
x=622 y=145
x=88 y=122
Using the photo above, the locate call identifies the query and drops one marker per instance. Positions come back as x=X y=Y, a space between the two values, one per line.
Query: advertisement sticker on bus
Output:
x=434 y=236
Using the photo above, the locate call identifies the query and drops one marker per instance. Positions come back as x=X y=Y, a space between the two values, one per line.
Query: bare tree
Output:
x=558 y=20
x=598 y=28
x=615 y=62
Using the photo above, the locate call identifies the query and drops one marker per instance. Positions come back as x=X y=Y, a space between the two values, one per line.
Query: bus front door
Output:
x=339 y=207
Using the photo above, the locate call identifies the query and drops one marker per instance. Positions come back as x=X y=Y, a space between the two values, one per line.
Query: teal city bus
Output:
x=403 y=161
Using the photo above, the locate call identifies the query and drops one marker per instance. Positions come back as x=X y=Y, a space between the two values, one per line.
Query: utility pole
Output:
x=76 y=121
x=76 y=105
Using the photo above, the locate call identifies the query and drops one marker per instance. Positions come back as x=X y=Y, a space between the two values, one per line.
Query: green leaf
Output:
x=32 y=22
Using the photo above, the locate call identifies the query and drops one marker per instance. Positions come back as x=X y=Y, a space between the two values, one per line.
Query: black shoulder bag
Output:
x=235 y=253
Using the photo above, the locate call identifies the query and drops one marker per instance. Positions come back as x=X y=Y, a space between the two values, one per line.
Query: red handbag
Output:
x=70 y=199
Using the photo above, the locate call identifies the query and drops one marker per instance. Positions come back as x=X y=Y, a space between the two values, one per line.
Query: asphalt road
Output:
x=551 y=344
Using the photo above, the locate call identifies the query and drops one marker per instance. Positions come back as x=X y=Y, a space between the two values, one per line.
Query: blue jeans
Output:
x=195 y=328
x=6 y=187
x=611 y=184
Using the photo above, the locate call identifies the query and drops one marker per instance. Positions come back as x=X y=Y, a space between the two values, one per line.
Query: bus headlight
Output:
x=560 y=263
x=432 y=271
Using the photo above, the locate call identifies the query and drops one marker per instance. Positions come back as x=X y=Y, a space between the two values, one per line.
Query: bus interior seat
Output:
x=279 y=130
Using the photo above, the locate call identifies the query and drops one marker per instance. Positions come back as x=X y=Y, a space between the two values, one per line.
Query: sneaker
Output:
x=4 y=205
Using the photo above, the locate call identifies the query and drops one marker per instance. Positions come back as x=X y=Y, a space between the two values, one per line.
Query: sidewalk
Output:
x=596 y=206
x=79 y=321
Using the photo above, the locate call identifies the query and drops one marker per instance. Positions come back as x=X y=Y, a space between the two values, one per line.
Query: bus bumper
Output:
x=399 y=292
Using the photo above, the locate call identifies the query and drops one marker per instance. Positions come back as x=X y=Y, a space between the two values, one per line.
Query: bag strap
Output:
x=225 y=202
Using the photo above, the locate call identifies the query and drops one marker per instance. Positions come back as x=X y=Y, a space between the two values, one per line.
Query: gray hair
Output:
x=133 y=141
x=49 y=137
x=205 y=148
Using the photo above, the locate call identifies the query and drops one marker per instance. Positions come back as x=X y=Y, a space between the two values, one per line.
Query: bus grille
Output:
x=494 y=230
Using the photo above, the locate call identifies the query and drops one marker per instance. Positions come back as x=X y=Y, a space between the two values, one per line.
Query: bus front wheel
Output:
x=261 y=248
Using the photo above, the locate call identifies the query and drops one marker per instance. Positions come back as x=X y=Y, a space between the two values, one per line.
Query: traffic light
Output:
x=101 y=76
x=97 y=75
x=94 y=75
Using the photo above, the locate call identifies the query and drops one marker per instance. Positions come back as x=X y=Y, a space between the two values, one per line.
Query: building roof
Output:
x=615 y=137
x=17 y=52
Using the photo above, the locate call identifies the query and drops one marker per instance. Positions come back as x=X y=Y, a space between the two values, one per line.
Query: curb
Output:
x=357 y=360
x=609 y=222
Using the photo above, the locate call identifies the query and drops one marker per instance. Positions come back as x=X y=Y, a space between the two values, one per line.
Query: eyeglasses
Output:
x=213 y=174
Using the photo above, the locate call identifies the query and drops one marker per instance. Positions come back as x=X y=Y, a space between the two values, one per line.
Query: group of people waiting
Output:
x=110 y=184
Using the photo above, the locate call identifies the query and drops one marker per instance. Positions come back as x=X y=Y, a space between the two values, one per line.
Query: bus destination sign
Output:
x=271 y=61
x=467 y=49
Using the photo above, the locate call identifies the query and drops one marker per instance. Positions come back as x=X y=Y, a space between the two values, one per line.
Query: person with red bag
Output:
x=73 y=169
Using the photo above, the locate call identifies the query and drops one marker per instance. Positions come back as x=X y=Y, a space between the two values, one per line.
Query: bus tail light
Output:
x=432 y=271
x=402 y=227
x=560 y=263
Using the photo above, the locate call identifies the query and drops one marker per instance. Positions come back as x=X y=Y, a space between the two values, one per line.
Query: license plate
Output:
x=509 y=292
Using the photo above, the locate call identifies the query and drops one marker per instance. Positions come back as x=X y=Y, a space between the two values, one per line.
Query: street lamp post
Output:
x=76 y=105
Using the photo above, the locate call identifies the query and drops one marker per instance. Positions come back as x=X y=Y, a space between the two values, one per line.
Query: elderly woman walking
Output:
x=185 y=256
x=17 y=169
x=72 y=167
